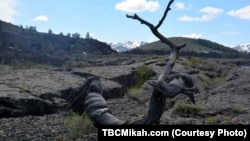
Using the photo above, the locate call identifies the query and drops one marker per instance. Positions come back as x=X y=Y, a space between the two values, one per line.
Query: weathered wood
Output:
x=177 y=84
x=167 y=86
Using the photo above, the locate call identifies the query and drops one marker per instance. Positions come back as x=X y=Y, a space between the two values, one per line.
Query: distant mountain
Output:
x=126 y=46
x=194 y=47
x=243 y=47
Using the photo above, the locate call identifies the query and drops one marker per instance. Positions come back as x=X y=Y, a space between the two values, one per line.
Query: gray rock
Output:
x=39 y=92
x=112 y=89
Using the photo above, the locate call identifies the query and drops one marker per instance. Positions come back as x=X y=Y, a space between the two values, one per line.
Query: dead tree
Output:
x=168 y=85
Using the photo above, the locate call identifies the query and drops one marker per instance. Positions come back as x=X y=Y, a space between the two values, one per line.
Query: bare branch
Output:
x=136 y=17
x=174 y=48
x=154 y=30
x=165 y=14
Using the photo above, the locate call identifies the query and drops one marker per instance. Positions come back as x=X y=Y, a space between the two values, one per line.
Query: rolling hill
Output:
x=28 y=39
x=197 y=47
x=25 y=43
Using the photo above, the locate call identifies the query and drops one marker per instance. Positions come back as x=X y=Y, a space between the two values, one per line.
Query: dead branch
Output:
x=154 y=29
x=165 y=14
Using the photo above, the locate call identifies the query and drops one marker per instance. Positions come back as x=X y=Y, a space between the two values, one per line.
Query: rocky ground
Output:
x=34 y=102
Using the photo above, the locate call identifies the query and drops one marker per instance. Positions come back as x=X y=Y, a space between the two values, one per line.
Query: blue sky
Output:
x=223 y=21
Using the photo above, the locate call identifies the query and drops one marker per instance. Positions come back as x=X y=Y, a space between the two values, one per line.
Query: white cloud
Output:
x=243 y=13
x=186 y=18
x=180 y=5
x=209 y=14
x=137 y=6
x=211 y=10
x=43 y=18
x=8 y=10
x=193 y=35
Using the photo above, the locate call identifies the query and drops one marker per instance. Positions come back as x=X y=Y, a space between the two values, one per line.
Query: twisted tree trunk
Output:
x=177 y=84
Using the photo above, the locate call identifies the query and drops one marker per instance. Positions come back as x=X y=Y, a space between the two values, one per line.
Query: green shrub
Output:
x=216 y=120
x=16 y=64
x=185 y=109
x=227 y=118
x=143 y=73
x=217 y=81
x=235 y=108
x=21 y=90
x=134 y=92
x=79 y=125
x=194 y=62
x=184 y=121
x=211 y=119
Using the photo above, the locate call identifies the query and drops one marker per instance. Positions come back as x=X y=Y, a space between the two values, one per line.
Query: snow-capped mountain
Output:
x=125 y=46
x=243 y=47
